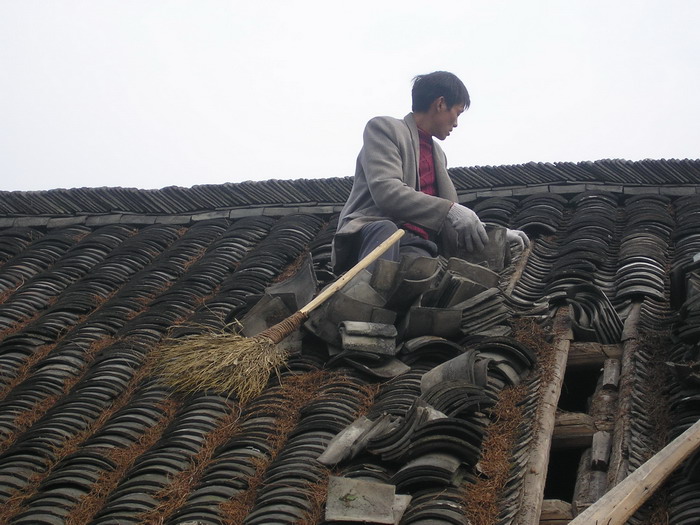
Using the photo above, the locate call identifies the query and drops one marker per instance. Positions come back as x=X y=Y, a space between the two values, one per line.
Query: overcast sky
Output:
x=154 y=93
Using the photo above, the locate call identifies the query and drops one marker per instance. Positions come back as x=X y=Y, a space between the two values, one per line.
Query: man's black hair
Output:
x=426 y=88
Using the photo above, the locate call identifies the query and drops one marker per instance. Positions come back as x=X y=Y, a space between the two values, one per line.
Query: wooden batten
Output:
x=592 y=477
x=573 y=430
x=603 y=408
x=600 y=450
x=592 y=355
x=550 y=390
x=556 y=512
x=619 y=465
x=611 y=374
x=590 y=484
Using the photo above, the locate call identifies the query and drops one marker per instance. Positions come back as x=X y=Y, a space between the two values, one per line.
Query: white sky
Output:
x=151 y=93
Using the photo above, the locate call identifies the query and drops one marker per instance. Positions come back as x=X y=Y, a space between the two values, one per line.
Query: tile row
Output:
x=173 y=200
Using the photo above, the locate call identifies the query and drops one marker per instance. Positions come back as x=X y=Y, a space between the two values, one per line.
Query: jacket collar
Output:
x=413 y=129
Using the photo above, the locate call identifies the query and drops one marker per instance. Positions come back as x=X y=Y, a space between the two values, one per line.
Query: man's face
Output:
x=446 y=119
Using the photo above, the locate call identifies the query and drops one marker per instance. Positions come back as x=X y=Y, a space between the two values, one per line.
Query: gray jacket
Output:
x=386 y=186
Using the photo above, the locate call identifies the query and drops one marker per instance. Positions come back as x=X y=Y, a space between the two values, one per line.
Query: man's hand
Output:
x=518 y=236
x=469 y=228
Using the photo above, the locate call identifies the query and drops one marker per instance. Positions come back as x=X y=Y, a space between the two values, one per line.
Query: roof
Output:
x=92 y=280
x=671 y=177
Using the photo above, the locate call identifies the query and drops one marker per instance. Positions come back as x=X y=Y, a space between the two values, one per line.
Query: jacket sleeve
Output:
x=384 y=168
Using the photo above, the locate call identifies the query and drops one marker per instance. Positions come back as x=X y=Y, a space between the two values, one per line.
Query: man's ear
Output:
x=440 y=104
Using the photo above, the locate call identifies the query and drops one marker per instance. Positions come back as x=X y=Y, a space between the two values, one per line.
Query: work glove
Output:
x=469 y=228
x=518 y=236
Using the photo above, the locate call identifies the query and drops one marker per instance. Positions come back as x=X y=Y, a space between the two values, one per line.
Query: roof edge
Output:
x=278 y=197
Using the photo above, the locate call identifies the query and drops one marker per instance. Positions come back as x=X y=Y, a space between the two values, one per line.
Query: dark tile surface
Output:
x=85 y=431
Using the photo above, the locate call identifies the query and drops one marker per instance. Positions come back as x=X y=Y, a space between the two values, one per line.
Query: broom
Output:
x=230 y=362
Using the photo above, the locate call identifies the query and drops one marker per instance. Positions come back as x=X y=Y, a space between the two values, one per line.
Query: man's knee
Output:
x=375 y=233
x=379 y=229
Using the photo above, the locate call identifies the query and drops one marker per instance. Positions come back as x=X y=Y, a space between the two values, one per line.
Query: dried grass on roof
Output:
x=25 y=369
x=123 y=458
x=483 y=497
x=171 y=497
x=369 y=392
x=23 y=322
x=657 y=378
x=235 y=510
x=195 y=258
x=14 y=504
x=292 y=268
x=5 y=295
x=317 y=494
x=533 y=335
x=295 y=392
x=31 y=414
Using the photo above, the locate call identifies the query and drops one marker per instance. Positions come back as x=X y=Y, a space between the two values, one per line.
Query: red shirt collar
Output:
x=424 y=136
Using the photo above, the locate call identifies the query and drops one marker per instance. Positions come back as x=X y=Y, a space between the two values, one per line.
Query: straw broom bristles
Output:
x=224 y=362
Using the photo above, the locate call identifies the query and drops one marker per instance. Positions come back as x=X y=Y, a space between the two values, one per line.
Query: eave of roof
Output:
x=669 y=177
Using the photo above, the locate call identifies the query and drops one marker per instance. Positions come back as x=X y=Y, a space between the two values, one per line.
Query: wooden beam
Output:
x=590 y=484
x=592 y=355
x=611 y=374
x=619 y=503
x=600 y=450
x=556 y=512
x=550 y=390
x=573 y=430
x=604 y=408
x=619 y=464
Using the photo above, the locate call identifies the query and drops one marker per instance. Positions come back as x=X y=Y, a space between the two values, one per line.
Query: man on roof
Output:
x=401 y=181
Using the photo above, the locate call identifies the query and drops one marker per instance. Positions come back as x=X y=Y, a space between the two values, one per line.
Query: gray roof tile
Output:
x=83 y=305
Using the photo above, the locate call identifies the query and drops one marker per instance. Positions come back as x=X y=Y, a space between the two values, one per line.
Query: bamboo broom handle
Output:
x=618 y=504
x=352 y=272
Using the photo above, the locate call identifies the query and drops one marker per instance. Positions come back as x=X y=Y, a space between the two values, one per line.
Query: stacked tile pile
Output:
x=422 y=437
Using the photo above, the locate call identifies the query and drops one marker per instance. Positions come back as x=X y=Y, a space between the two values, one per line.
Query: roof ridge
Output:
x=277 y=196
